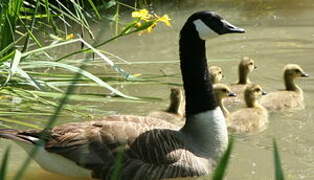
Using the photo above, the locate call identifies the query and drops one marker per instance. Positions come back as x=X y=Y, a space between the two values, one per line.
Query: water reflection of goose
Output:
x=152 y=148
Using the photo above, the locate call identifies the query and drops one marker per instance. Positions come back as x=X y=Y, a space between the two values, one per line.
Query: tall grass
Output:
x=23 y=55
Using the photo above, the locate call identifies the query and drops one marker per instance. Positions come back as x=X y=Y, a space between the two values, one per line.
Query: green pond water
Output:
x=278 y=32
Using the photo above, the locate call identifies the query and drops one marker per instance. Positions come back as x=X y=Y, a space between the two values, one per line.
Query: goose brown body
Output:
x=290 y=98
x=94 y=145
x=149 y=148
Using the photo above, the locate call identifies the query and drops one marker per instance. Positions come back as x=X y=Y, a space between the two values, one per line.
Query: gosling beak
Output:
x=229 y=28
x=223 y=76
x=264 y=93
x=305 y=75
x=232 y=94
x=255 y=67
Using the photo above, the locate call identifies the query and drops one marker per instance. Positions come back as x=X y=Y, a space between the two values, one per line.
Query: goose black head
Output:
x=208 y=23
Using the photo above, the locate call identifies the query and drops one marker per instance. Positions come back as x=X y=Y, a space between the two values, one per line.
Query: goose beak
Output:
x=232 y=94
x=229 y=28
x=305 y=75
x=264 y=93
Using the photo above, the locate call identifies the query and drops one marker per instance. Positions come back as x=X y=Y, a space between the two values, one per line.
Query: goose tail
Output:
x=17 y=136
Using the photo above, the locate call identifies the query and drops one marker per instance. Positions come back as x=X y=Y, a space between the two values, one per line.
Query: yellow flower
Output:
x=141 y=14
x=138 y=24
x=165 y=19
x=69 y=36
x=151 y=27
x=137 y=75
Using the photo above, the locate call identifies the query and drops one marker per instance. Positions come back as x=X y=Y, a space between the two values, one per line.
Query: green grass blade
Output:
x=94 y=8
x=123 y=73
x=13 y=66
x=4 y=164
x=29 y=79
x=15 y=62
x=10 y=46
x=49 y=47
x=83 y=73
x=25 y=124
x=118 y=165
x=279 y=175
x=221 y=168
x=49 y=125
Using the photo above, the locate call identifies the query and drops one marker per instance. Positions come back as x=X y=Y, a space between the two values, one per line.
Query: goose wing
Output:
x=148 y=148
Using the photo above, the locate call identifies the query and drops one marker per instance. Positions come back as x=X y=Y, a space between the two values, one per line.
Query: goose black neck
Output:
x=196 y=81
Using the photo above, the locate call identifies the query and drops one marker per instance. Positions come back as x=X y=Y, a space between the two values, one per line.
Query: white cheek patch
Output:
x=203 y=30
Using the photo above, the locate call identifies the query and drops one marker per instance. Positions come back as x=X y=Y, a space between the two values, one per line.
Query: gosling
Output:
x=292 y=97
x=246 y=66
x=254 y=117
x=222 y=92
x=215 y=74
x=176 y=110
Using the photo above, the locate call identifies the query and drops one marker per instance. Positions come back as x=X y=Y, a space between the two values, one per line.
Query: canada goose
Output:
x=246 y=66
x=175 y=112
x=151 y=148
x=254 y=117
x=222 y=91
x=215 y=74
x=292 y=96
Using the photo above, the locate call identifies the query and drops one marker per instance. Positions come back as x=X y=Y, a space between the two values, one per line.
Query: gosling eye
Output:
x=220 y=72
x=258 y=90
x=225 y=90
x=251 y=63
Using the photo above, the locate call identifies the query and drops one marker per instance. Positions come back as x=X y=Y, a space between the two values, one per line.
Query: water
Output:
x=278 y=32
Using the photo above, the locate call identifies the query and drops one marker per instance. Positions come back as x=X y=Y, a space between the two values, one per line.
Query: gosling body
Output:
x=254 y=117
x=246 y=66
x=175 y=112
x=292 y=97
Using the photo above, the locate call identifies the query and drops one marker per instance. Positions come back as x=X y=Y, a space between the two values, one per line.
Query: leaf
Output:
x=83 y=73
x=279 y=175
x=223 y=163
x=13 y=66
x=4 y=164
x=110 y=4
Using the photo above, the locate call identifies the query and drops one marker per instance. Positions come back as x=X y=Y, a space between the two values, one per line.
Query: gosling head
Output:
x=209 y=24
x=247 y=64
x=176 y=94
x=252 y=93
x=215 y=73
x=293 y=71
x=223 y=91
